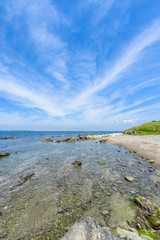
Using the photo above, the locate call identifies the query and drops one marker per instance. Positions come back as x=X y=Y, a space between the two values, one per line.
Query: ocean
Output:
x=56 y=194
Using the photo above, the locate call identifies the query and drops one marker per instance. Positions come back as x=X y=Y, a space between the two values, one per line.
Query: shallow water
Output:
x=58 y=194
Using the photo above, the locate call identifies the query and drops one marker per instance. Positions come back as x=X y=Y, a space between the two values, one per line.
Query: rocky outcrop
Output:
x=47 y=140
x=86 y=137
x=88 y=229
x=147 y=213
x=2 y=155
x=69 y=139
x=9 y=138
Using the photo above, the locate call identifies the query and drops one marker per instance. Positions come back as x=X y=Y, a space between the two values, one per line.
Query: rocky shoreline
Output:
x=101 y=191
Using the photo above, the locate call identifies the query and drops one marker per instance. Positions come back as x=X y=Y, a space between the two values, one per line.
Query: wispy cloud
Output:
x=66 y=71
x=132 y=53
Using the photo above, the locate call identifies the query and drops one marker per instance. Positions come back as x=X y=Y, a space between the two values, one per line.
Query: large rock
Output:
x=2 y=155
x=88 y=229
x=69 y=139
x=47 y=140
x=9 y=138
x=149 y=211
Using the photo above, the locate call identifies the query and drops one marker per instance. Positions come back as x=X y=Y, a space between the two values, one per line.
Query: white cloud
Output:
x=132 y=53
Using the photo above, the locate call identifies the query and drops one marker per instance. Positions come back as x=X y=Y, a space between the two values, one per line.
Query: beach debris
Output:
x=47 y=140
x=25 y=178
x=151 y=161
x=77 y=163
x=2 y=155
x=134 y=151
x=101 y=163
x=9 y=138
x=129 y=178
x=69 y=139
x=118 y=159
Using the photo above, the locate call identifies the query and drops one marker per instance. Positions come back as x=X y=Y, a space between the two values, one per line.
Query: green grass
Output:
x=150 y=128
x=147 y=233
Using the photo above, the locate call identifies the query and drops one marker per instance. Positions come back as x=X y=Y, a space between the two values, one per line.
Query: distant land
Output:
x=150 y=128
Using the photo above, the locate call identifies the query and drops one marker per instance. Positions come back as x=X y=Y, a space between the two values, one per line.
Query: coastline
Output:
x=147 y=146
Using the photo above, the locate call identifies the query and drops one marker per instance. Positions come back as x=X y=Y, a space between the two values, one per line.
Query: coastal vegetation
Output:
x=150 y=128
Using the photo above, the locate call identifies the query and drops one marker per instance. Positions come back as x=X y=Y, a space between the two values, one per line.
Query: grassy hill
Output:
x=150 y=128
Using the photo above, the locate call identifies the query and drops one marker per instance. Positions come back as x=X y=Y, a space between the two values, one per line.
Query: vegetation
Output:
x=147 y=233
x=150 y=128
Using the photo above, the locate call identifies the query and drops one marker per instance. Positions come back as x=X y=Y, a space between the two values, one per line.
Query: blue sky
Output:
x=79 y=65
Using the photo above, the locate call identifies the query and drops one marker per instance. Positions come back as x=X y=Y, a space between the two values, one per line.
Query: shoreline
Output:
x=147 y=146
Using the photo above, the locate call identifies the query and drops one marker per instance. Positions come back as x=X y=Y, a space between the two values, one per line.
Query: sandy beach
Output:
x=147 y=146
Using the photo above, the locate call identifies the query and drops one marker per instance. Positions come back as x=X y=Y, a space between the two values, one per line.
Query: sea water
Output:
x=58 y=194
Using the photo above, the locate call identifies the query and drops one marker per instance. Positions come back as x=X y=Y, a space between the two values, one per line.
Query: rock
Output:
x=77 y=164
x=9 y=138
x=2 y=155
x=118 y=159
x=130 y=234
x=69 y=139
x=101 y=163
x=85 y=137
x=148 y=210
x=88 y=229
x=129 y=178
x=25 y=178
x=47 y=140
x=151 y=161
x=103 y=141
x=105 y=212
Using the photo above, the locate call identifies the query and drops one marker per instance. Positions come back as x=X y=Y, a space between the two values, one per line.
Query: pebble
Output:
x=129 y=178
x=105 y=212
x=151 y=161
x=133 y=192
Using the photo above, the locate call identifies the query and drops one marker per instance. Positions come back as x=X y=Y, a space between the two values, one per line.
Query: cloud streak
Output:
x=132 y=53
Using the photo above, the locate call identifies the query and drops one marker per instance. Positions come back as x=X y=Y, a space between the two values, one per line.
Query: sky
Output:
x=79 y=65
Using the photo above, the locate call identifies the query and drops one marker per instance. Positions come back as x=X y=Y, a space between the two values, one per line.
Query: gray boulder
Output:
x=88 y=229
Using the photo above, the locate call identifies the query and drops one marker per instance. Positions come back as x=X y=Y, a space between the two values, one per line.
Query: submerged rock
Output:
x=129 y=178
x=2 y=155
x=25 y=178
x=47 y=140
x=69 y=139
x=9 y=138
x=77 y=164
x=88 y=229
x=101 y=163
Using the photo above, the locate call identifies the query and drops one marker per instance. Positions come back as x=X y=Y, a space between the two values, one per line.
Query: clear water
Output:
x=58 y=194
